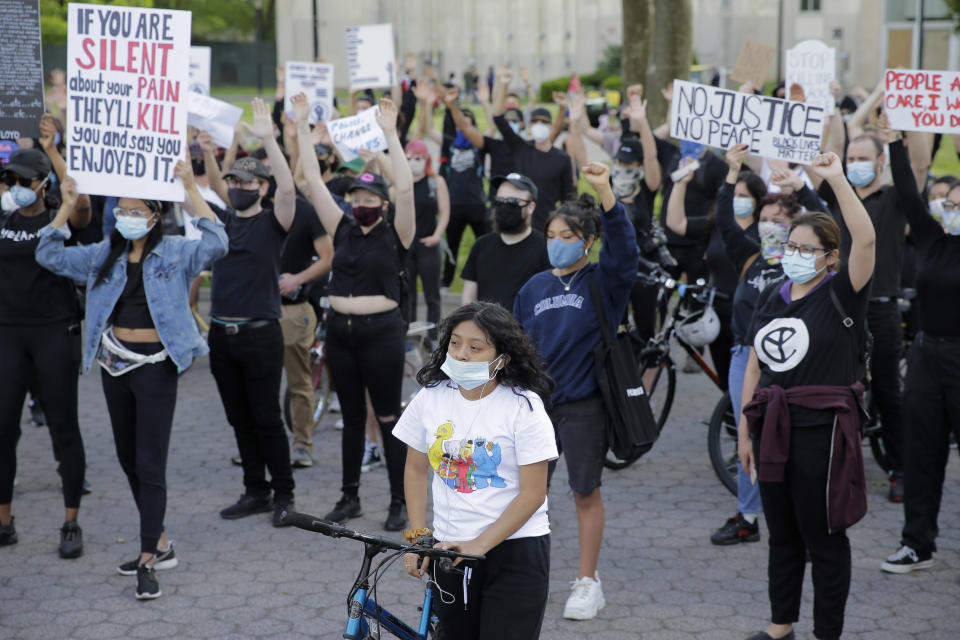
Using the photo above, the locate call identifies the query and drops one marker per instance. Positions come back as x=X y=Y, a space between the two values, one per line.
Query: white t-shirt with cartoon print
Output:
x=475 y=449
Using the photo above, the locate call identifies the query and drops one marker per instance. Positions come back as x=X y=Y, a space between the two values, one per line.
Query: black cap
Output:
x=28 y=163
x=541 y=112
x=630 y=151
x=517 y=180
x=247 y=169
x=371 y=182
x=848 y=103
x=515 y=112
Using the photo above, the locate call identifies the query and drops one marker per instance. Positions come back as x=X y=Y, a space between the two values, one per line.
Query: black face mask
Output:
x=243 y=199
x=199 y=166
x=509 y=218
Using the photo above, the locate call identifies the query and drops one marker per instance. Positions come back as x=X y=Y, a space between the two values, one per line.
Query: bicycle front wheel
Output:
x=722 y=443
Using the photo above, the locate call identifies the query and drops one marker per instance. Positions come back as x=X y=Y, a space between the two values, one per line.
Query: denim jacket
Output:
x=168 y=270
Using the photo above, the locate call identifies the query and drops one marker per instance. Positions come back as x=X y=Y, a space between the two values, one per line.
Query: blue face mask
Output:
x=23 y=196
x=860 y=174
x=563 y=254
x=742 y=207
x=799 y=269
x=132 y=228
x=468 y=375
x=515 y=125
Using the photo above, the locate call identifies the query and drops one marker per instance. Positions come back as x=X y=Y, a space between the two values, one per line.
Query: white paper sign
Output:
x=811 y=66
x=361 y=131
x=314 y=79
x=918 y=100
x=370 y=56
x=200 y=70
x=771 y=127
x=216 y=117
x=127 y=74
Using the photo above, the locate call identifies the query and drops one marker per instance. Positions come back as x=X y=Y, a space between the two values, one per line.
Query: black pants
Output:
x=52 y=352
x=247 y=367
x=884 y=321
x=643 y=301
x=141 y=405
x=796 y=513
x=932 y=400
x=424 y=261
x=462 y=215
x=367 y=352
x=506 y=596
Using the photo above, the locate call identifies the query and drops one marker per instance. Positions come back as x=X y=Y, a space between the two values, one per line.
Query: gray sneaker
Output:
x=301 y=458
x=164 y=559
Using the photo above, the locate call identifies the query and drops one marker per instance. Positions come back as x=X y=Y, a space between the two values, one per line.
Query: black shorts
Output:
x=582 y=439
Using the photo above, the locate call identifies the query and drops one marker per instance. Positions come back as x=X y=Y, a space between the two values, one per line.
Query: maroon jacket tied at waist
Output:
x=768 y=415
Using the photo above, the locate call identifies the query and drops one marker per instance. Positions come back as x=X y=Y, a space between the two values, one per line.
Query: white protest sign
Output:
x=771 y=127
x=216 y=117
x=127 y=74
x=361 y=131
x=918 y=100
x=200 y=70
x=811 y=66
x=370 y=56
x=316 y=81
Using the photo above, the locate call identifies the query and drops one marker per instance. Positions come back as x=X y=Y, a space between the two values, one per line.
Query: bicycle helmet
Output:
x=699 y=328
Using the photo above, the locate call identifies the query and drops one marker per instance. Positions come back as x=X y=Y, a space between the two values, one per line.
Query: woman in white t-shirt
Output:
x=479 y=429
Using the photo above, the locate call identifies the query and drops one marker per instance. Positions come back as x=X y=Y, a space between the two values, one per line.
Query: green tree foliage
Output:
x=610 y=63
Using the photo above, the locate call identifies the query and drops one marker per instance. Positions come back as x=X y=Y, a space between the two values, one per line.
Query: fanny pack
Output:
x=118 y=360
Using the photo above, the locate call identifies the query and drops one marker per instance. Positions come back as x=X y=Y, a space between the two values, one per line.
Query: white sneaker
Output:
x=338 y=425
x=586 y=599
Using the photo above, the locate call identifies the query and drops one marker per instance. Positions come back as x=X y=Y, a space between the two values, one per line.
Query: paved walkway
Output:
x=244 y=579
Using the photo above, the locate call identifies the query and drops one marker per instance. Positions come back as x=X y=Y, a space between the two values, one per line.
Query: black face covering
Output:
x=243 y=199
x=509 y=217
x=323 y=165
x=199 y=166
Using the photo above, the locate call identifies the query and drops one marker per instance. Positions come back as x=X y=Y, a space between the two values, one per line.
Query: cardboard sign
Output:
x=21 y=75
x=918 y=100
x=370 y=56
x=811 y=66
x=772 y=128
x=200 y=70
x=753 y=63
x=214 y=116
x=127 y=74
x=314 y=79
x=361 y=131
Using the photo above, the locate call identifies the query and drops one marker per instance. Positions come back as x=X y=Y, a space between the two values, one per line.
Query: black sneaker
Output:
x=247 y=505
x=71 y=540
x=280 y=509
x=906 y=560
x=347 y=507
x=163 y=560
x=896 y=487
x=147 y=586
x=8 y=534
x=736 y=529
x=397 y=518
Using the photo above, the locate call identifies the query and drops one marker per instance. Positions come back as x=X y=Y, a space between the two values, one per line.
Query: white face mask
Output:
x=539 y=131
x=417 y=165
x=468 y=375
x=936 y=207
x=6 y=201
x=951 y=222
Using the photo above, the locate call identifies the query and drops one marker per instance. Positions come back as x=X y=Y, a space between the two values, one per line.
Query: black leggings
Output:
x=367 y=352
x=52 y=353
x=141 y=405
x=461 y=215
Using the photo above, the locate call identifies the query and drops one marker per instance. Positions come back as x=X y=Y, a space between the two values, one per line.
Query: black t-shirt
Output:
x=500 y=269
x=501 y=158
x=29 y=294
x=246 y=280
x=366 y=264
x=298 y=251
x=463 y=171
x=641 y=214
x=803 y=342
x=132 y=310
x=758 y=277
x=701 y=194
x=425 y=205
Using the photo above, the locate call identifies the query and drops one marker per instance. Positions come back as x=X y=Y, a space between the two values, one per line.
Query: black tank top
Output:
x=425 y=202
x=132 y=311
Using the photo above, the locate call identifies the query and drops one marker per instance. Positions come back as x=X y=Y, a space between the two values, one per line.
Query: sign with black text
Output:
x=370 y=56
x=127 y=83
x=770 y=127
x=315 y=79
x=21 y=75
x=362 y=131
x=811 y=67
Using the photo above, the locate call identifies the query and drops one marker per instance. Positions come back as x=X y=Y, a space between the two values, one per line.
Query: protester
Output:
x=39 y=337
x=557 y=311
x=133 y=278
x=800 y=428
x=489 y=483
x=366 y=333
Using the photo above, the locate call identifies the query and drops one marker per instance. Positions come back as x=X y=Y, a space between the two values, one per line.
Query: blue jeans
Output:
x=748 y=495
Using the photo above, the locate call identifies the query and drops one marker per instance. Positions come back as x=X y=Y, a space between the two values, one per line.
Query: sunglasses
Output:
x=516 y=201
x=11 y=179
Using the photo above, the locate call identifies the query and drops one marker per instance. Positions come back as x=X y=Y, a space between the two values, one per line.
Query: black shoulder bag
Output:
x=631 y=427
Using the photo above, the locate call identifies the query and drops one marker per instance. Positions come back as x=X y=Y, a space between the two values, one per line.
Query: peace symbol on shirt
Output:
x=782 y=343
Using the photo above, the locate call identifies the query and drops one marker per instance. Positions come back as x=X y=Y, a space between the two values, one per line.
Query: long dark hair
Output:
x=120 y=245
x=582 y=215
x=523 y=369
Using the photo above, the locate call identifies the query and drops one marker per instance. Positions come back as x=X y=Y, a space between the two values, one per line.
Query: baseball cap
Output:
x=518 y=180
x=630 y=151
x=541 y=112
x=371 y=182
x=247 y=169
x=28 y=163
x=356 y=165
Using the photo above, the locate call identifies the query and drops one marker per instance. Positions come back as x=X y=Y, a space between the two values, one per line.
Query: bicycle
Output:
x=365 y=618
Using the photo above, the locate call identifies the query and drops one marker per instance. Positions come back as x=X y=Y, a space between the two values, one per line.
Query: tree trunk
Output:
x=635 y=53
x=672 y=52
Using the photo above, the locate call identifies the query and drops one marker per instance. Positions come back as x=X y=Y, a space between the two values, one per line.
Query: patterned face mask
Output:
x=772 y=237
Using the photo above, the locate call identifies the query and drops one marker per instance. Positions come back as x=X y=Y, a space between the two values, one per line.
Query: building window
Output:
x=809 y=5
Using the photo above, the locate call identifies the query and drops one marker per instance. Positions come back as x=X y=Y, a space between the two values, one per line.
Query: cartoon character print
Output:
x=486 y=457
x=465 y=465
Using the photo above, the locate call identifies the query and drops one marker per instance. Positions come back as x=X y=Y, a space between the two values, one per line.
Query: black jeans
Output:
x=247 y=367
x=796 y=513
x=424 y=261
x=52 y=353
x=643 y=301
x=884 y=321
x=462 y=215
x=141 y=405
x=506 y=596
x=367 y=352
x=932 y=400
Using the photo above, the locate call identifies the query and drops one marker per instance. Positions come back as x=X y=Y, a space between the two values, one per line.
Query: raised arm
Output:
x=676 y=209
x=405 y=220
x=426 y=96
x=574 y=142
x=557 y=127
x=72 y=262
x=326 y=207
x=212 y=166
x=81 y=215
x=461 y=122
x=639 y=123
x=859 y=119
x=285 y=196
x=502 y=82
x=739 y=246
x=483 y=96
x=920 y=151
x=213 y=243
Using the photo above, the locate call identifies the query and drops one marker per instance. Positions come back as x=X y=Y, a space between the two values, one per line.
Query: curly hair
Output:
x=582 y=215
x=789 y=204
x=523 y=370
